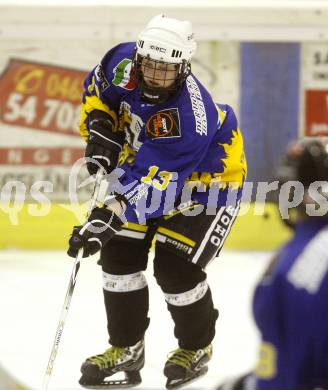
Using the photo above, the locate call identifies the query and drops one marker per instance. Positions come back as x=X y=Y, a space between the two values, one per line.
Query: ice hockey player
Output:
x=144 y=110
x=290 y=302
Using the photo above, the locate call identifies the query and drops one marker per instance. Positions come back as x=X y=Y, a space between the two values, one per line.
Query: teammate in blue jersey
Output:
x=291 y=301
x=179 y=167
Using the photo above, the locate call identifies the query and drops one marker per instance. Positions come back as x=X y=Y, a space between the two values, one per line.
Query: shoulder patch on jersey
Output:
x=122 y=74
x=100 y=76
x=164 y=124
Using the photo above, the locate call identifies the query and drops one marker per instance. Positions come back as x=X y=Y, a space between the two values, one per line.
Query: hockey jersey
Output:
x=179 y=149
x=291 y=311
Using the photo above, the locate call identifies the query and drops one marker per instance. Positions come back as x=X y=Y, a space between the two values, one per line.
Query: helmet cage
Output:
x=155 y=93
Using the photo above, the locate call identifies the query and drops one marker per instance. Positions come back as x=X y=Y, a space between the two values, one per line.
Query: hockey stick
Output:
x=70 y=290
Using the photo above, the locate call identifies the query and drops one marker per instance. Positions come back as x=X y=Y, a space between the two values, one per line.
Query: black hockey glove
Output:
x=104 y=144
x=100 y=227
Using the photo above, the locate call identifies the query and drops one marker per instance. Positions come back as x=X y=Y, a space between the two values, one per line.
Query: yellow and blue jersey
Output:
x=188 y=142
x=290 y=310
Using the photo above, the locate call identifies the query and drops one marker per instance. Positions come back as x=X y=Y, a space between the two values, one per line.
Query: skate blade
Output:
x=132 y=379
x=178 y=383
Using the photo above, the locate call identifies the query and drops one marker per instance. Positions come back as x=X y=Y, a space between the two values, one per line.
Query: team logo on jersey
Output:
x=100 y=76
x=122 y=74
x=164 y=124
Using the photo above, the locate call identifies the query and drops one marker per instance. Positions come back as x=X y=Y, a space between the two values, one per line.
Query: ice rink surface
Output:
x=32 y=291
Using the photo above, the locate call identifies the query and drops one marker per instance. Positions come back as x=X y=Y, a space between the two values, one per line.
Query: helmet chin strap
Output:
x=155 y=95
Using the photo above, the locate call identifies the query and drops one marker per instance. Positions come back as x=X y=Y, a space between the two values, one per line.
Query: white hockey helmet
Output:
x=167 y=39
x=167 y=43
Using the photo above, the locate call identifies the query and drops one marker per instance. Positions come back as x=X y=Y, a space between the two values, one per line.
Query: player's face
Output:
x=157 y=74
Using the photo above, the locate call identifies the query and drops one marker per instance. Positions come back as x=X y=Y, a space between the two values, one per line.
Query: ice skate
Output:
x=128 y=360
x=184 y=366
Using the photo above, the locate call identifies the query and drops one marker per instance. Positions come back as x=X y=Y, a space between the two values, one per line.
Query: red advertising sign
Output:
x=316 y=112
x=42 y=97
x=40 y=156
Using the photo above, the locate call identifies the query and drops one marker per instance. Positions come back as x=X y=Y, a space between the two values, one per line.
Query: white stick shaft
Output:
x=70 y=290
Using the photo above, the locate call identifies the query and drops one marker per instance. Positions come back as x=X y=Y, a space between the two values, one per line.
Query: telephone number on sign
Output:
x=48 y=114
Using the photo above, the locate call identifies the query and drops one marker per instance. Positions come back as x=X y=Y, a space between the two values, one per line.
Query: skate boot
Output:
x=184 y=366
x=129 y=360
